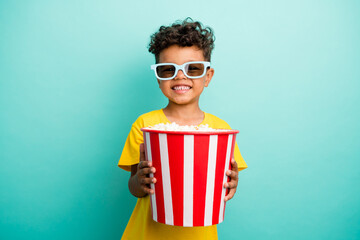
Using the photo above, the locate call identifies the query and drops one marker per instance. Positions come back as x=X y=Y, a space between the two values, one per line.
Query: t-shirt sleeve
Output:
x=237 y=155
x=238 y=158
x=130 y=154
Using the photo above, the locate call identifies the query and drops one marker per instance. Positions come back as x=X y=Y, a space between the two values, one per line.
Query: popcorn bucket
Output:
x=190 y=171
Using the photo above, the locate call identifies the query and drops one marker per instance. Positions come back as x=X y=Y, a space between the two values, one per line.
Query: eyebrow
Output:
x=185 y=62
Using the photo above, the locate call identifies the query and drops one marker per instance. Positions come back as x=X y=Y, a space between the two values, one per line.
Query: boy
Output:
x=182 y=53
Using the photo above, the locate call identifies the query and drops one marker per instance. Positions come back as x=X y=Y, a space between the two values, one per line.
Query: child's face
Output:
x=181 y=89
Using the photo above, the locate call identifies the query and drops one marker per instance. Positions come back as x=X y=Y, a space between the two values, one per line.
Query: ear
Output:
x=208 y=76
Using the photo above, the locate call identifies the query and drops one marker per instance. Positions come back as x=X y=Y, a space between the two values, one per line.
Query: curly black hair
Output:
x=184 y=34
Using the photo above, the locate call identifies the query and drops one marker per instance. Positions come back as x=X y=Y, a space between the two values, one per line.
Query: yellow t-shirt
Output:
x=141 y=225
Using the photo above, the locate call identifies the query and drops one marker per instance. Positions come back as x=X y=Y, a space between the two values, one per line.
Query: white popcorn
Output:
x=176 y=127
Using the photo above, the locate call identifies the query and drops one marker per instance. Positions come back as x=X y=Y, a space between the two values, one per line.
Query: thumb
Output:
x=234 y=165
x=142 y=152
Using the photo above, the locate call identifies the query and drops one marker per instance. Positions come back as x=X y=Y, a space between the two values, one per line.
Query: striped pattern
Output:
x=190 y=173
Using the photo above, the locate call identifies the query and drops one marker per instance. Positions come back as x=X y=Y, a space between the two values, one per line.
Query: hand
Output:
x=144 y=168
x=232 y=185
x=139 y=181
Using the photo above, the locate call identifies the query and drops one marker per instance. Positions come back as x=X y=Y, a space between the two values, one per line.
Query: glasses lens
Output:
x=195 y=69
x=165 y=71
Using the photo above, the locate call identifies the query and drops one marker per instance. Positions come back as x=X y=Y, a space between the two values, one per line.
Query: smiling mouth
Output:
x=181 y=88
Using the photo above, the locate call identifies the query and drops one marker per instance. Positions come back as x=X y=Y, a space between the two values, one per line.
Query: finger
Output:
x=146 y=171
x=146 y=181
x=232 y=174
x=144 y=164
x=231 y=184
x=230 y=195
x=147 y=189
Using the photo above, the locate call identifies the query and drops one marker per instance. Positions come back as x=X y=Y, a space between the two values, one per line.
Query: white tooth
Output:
x=181 y=87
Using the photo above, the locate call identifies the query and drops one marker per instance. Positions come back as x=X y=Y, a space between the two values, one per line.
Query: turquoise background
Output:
x=74 y=76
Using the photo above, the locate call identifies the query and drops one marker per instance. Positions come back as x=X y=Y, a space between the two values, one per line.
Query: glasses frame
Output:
x=180 y=67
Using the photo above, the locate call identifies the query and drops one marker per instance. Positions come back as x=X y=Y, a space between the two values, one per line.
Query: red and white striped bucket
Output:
x=191 y=172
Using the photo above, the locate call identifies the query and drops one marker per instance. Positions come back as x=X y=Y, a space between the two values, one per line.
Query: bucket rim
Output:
x=222 y=132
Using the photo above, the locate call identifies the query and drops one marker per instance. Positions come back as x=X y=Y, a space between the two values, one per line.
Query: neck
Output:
x=187 y=114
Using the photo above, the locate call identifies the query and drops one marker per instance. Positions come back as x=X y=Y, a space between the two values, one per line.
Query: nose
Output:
x=180 y=75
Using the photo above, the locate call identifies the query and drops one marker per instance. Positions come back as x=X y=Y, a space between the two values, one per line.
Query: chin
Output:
x=182 y=102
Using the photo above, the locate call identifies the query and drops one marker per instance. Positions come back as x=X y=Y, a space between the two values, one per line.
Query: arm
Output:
x=232 y=185
x=139 y=180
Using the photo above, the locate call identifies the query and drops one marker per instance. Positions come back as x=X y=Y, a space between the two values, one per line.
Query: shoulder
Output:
x=216 y=122
x=149 y=119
